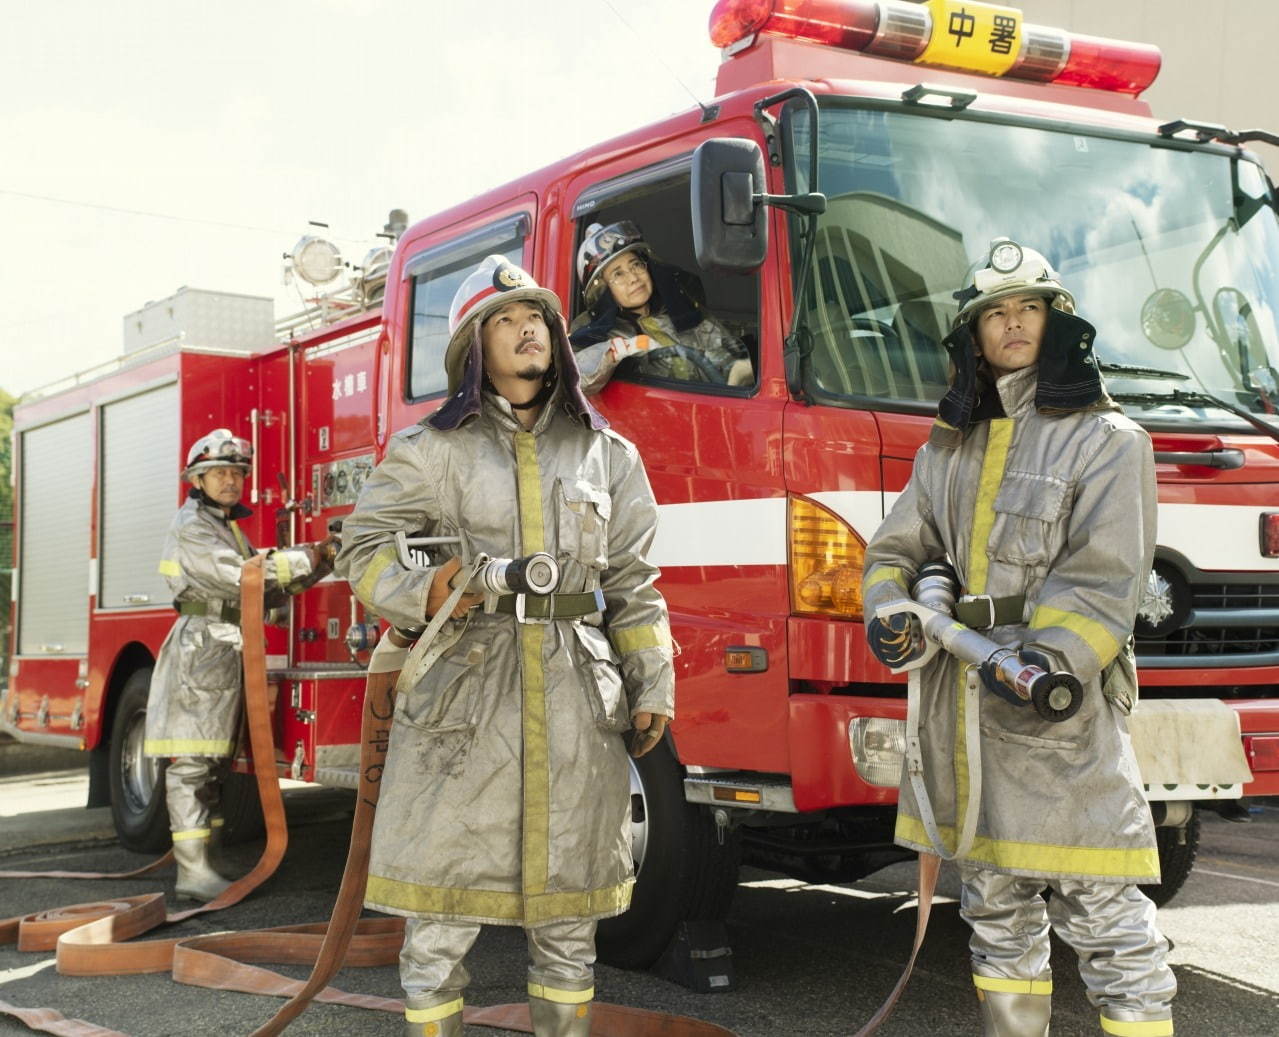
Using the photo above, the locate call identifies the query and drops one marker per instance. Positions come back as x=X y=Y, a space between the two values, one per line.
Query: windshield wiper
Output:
x=1146 y=372
x=1198 y=396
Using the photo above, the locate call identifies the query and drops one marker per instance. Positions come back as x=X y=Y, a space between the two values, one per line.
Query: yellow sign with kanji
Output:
x=977 y=37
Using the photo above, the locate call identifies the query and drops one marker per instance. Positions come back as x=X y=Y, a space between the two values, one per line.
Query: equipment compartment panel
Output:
x=339 y=482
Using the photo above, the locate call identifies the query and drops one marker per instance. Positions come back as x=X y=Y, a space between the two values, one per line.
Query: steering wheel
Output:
x=662 y=354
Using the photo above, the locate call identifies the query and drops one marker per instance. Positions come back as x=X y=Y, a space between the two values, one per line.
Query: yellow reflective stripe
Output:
x=384 y=557
x=245 y=550
x=654 y=330
x=961 y=759
x=537 y=766
x=429 y=1015
x=561 y=997
x=283 y=571
x=168 y=567
x=1013 y=986
x=536 y=848
x=216 y=822
x=1144 y=1028
x=191 y=833
x=529 y=481
x=186 y=747
x=1139 y=864
x=635 y=639
x=492 y=906
x=1103 y=644
x=992 y=474
x=882 y=574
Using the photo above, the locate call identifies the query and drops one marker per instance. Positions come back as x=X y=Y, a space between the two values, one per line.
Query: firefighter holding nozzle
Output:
x=1041 y=494
x=193 y=709
x=505 y=798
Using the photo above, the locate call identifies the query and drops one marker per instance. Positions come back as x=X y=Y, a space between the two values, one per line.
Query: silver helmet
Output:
x=1009 y=269
x=220 y=448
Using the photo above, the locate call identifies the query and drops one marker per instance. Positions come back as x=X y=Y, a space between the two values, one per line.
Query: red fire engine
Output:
x=928 y=129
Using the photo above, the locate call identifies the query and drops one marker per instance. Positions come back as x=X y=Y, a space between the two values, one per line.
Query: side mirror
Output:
x=730 y=234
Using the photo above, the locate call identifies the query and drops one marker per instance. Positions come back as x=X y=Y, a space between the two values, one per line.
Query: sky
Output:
x=147 y=146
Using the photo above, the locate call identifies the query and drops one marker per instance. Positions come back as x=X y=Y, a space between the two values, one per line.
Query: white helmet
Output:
x=1009 y=269
x=495 y=282
x=599 y=248
x=221 y=448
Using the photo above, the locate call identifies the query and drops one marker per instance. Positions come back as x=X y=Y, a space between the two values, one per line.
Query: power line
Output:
x=654 y=52
x=274 y=231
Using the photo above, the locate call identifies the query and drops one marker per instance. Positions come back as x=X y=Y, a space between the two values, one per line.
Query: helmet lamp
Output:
x=1005 y=256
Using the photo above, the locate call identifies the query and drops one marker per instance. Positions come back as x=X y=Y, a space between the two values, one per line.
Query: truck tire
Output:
x=683 y=871
x=137 y=781
x=241 y=806
x=1176 y=859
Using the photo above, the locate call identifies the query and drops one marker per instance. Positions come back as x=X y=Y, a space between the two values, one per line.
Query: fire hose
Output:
x=89 y=938
x=923 y=625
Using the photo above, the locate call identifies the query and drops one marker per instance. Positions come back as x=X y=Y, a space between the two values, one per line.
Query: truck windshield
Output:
x=1170 y=252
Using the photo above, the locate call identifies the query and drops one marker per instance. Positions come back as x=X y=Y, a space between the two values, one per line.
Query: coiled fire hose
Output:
x=90 y=938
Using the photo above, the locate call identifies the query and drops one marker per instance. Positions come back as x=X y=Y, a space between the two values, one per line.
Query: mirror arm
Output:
x=809 y=207
x=811 y=204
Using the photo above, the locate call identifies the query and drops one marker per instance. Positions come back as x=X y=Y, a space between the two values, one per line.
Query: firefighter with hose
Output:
x=505 y=796
x=1040 y=494
x=193 y=709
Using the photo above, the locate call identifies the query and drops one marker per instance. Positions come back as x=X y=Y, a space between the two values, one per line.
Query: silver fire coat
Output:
x=1059 y=508
x=194 y=705
x=709 y=338
x=506 y=792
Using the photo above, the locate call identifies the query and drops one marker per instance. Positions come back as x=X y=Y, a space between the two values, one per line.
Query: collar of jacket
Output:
x=466 y=403
x=237 y=513
x=674 y=288
x=1067 y=378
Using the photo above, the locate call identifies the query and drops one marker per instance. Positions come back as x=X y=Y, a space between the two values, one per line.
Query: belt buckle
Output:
x=971 y=599
x=521 y=617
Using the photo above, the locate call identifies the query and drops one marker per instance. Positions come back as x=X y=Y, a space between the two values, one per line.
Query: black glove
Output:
x=897 y=640
x=990 y=678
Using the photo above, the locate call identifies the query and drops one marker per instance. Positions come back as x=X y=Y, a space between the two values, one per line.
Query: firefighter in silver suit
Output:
x=193 y=709
x=1041 y=494
x=637 y=306
x=505 y=797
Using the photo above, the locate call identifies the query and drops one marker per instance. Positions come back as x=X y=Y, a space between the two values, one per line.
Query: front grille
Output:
x=1230 y=624
x=1236 y=595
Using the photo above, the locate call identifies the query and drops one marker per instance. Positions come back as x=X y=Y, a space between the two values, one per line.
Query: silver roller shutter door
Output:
x=57 y=481
x=140 y=493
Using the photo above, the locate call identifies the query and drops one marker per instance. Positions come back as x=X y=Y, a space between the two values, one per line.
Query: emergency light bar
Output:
x=973 y=37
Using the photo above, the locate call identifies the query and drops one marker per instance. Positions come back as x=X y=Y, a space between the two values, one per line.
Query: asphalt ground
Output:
x=807 y=959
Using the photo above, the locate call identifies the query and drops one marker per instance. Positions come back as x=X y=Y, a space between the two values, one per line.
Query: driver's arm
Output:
x=596 y=363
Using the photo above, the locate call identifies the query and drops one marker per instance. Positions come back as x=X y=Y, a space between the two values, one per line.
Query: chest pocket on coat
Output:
x=603 y=682
x=447 y=697
x=582 y=515
x=1029 y=527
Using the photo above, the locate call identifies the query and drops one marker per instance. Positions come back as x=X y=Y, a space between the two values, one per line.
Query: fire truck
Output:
x=857 y=157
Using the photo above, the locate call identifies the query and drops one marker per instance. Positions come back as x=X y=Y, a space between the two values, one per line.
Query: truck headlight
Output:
x=878 y=747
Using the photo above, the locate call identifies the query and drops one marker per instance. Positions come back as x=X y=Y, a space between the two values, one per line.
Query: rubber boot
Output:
x=196 y=878
x=438 y=1020
x=1014 y=1007
x=1151 y=1024
x=560 y=1019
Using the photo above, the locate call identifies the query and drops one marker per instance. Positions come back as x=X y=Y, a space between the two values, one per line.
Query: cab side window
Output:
x=701 y=329
x=436 y=273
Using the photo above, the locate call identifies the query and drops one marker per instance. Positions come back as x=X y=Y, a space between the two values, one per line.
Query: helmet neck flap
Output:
x=1068 y=379
x=465 y=403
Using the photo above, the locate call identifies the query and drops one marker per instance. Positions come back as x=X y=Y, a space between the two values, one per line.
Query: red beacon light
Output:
x=973 y=37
